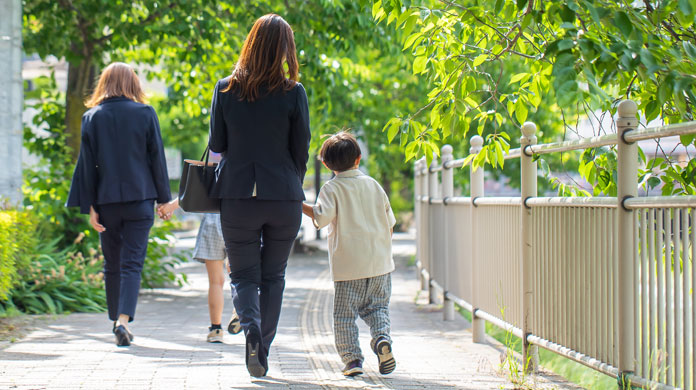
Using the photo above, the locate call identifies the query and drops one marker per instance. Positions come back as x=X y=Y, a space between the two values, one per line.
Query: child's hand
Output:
x=308 y=210
x=165 y=211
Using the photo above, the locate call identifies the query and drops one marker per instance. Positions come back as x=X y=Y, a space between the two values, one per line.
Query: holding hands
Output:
x=166 y=210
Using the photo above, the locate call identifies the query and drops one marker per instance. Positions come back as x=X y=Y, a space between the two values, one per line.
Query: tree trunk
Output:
x=81 y=78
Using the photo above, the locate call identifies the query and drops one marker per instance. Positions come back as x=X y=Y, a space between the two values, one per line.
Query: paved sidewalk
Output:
x=77 y=351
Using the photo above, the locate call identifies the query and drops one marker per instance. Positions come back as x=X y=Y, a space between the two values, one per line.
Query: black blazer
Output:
x=121 y=156
x=264 y=142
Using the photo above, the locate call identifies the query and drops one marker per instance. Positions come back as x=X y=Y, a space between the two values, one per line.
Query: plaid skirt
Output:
x=209 y=243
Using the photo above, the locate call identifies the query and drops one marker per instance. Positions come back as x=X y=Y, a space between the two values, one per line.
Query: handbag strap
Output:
x=206 y=155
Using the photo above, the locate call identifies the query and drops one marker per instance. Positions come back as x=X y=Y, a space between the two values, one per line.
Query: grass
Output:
x=569 y=369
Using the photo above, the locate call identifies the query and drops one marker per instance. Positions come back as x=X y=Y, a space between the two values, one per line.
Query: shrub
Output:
x=58 y=281
x=16 y=240
x=159 y=268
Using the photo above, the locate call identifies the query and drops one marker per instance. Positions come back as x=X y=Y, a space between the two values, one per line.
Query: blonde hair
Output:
x=117 y=79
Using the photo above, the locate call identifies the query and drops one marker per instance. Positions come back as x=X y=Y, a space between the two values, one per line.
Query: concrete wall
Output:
x=11 y=99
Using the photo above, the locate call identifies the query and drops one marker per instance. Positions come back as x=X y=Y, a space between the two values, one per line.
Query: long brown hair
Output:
x=117 y=79
x=269 y=45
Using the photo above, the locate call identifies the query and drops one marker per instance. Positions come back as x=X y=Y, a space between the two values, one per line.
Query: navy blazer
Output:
x=263 y=143
x=121 y=156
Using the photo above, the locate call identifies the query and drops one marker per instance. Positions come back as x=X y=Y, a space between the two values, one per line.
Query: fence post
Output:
x=447 y=192
x=627 y=187
x=425 y=248
x=433 y=193
x=418 y=211
x=528 y=173
x=476 y=182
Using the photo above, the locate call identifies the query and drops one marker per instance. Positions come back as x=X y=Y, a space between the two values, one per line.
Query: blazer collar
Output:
x=350 y=173
x=114 y=99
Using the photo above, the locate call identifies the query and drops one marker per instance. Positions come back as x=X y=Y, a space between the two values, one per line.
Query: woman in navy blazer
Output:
x=259 y=121
x=120 y=173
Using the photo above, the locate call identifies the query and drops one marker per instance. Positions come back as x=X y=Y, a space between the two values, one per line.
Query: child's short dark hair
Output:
x=340 y=151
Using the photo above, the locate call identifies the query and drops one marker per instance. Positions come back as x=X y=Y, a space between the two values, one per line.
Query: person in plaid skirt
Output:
x=360 y=219
x=210 y=250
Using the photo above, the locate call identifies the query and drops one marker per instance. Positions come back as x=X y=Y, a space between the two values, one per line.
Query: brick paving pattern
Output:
x=169 y=352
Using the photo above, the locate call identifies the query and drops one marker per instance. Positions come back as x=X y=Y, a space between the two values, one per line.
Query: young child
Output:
x=361 y=221
x=210 y=250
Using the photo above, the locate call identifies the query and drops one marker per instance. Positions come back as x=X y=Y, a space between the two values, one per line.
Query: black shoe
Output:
x=353 y=368
x=256 y=362
x=122 y=337
x=383 y=349
x=130 y=335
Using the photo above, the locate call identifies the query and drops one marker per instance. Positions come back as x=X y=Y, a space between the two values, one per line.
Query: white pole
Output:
x=433 y=193
x=476 y=183
x=627 y=186
x=447 y=191
x=417 y=192
x=11 y=100
x=528 y=171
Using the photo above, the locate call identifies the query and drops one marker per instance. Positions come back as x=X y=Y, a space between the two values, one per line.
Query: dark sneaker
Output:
x=383 y=349
x=235 y=326
x=353 y=368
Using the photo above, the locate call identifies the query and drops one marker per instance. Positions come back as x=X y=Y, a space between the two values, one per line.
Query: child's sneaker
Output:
x=215 y=335
x=383 y=349
x=353 y=368
x=235 y=326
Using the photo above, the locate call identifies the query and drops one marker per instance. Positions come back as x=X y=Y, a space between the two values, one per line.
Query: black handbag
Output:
x=197 y=179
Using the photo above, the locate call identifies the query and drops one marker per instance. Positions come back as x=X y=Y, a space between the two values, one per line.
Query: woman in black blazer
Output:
x=259 y=121
x=120 y=173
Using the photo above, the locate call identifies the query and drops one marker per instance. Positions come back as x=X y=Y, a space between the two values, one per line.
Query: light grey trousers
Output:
x=367 y=298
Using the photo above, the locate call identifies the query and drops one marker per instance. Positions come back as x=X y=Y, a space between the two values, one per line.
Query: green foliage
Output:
x=159 y=268
x=58 y=281
x=16 y=240
x=493 y=65
x=47 y=184
x=354 y=71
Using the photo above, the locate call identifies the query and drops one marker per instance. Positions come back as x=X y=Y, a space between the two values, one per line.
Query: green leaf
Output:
x=468 y=159
x=411 y=40
x=690 y=49
x=685 y=7
x=498 y=6
x=687 y=139
x=392 y=128
x=479 y=60
x=521 y=111
x=623 y=23
x=50 y=305
x=519 y=77
x=499 y=153
x=419 y=64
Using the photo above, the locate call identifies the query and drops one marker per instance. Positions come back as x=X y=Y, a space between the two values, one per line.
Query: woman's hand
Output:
x=94 y=220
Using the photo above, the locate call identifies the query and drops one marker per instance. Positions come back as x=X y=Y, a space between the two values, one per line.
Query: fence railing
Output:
x=605 y=281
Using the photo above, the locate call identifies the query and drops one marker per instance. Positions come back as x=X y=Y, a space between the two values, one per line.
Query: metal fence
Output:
x=605 y=281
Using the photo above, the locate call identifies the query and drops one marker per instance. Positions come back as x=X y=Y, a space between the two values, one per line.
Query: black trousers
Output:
x=258 y=236
x=124 y=243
